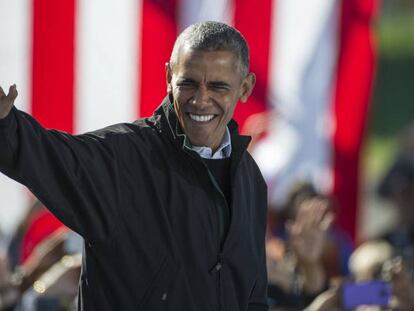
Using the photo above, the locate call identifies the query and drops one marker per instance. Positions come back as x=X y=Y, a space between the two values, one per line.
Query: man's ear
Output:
x=168 y=77
x=247 y=87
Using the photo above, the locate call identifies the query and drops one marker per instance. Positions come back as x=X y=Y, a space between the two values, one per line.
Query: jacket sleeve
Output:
x=76 y=177
x=258 y=297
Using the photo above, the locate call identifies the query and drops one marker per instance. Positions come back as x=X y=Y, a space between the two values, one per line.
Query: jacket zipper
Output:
x=221 y=233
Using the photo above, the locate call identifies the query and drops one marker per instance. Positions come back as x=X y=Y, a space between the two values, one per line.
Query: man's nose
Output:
x=201 y=97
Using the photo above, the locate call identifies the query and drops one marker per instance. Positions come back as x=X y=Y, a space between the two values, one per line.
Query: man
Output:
x=172 y=208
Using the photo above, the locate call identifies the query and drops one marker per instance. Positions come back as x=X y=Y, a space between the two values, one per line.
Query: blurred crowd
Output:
x=312 y=264
x=40 y=264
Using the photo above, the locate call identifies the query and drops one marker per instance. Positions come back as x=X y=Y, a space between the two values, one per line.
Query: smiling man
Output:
x=206 y=81
x=172 y=208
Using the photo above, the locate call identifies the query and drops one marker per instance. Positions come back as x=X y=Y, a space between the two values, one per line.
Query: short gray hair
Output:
x=213 y=36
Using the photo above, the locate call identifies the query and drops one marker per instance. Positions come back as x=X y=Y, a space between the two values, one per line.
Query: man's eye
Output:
x=219 y=87
x=185 y=84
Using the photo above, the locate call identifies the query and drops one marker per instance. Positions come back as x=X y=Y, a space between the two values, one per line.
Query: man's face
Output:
x=206 y=87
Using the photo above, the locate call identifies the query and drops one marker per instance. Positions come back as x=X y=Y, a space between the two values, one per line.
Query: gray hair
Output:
x=213 y=36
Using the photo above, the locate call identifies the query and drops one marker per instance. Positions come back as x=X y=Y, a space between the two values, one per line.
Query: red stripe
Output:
x=256 y=28
x=53 y=63
x=158 y=33
x=354 y=83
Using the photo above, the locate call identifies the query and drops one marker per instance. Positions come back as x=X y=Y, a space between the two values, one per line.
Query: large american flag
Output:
x=83 y=64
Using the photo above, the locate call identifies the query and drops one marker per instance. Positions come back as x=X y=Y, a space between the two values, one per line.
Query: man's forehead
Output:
x=189 y=57
x=188 y=50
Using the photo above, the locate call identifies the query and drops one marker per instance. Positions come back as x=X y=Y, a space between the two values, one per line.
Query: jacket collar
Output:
x=165 y=119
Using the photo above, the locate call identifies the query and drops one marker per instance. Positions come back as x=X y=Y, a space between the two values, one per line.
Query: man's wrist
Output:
x=7 y=120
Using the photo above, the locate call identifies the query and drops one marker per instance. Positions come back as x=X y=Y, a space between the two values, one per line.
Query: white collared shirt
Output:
x=222 y=152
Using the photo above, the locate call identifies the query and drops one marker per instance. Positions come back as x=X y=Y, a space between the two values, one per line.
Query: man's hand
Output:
x=7 y=101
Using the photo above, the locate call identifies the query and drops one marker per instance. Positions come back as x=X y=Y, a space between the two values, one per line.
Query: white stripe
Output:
x=15 y=56
x=107 y=62
x=303 y=57
x=192 y=11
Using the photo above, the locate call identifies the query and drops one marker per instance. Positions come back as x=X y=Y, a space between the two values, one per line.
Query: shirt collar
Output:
x=224 y=151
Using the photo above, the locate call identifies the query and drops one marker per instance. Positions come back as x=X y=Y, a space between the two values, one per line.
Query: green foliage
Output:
x=396 y=35
x=393 y=104
x=393 y=99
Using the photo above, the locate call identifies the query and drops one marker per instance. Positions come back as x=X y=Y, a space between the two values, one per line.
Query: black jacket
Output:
x=148 y=211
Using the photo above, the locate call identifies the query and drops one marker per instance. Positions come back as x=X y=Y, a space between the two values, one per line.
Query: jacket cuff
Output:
x=7 y=121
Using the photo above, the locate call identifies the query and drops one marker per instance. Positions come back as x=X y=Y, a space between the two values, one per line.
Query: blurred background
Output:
x=392 y=108
x=334 y=89
x=332 y=120
x=333 y=75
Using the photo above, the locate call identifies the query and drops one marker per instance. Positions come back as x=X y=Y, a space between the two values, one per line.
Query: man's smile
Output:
x=201 y=117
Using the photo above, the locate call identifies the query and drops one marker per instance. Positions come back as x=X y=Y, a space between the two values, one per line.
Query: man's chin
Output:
x=199 y=141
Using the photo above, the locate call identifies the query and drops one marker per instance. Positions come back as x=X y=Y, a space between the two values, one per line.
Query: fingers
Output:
x=393 y=269
x=12 y=92
x=402 y=285
x=327 y=221
x=7 y=101
x=315 y=213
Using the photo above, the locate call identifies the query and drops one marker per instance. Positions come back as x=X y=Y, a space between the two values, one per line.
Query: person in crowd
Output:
x=37 y=244
x=305 y=249
x=40 y=228
x=48 y=277
x=55 y=289
x=294 y=252
x=398 y=187
x=14 y=249
x=372 y=261
x=392 y=257
x=172 y=208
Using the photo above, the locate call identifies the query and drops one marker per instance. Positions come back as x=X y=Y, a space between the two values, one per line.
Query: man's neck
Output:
x=223 y=151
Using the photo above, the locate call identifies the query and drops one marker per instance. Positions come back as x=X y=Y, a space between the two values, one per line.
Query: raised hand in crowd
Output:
x=402 y=285
x=307 y=237
x=7 y=101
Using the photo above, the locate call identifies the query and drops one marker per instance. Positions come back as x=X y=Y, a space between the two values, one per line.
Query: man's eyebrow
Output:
x=187 y=80
x=219 y=83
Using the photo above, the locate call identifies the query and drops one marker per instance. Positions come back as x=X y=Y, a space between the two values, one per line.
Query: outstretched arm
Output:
x=76 y=177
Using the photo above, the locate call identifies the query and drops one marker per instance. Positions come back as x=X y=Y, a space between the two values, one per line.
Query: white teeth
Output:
x=201 y=118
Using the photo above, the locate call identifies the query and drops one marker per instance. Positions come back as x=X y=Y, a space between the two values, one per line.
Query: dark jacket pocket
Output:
x=156 y=296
